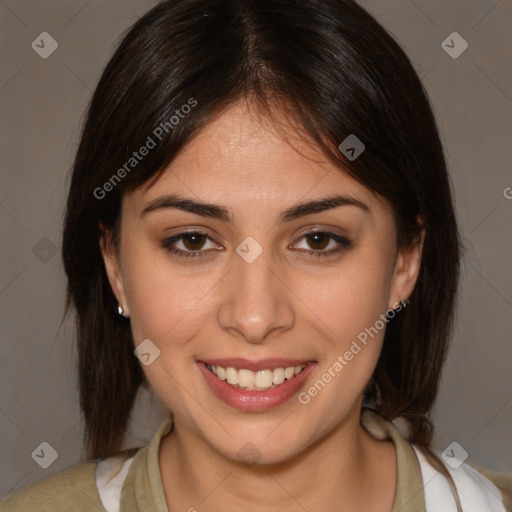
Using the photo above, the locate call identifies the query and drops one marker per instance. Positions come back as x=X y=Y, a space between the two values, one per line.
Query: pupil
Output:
x=317 y=239
x=191 y=241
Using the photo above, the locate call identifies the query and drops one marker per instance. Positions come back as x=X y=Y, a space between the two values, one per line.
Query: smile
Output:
x=260 y=380
x=255 y=386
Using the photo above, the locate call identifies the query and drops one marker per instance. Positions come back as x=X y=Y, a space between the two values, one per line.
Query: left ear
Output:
x=407 y=268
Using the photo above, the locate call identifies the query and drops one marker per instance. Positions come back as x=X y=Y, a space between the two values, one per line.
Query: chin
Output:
x=261 y=450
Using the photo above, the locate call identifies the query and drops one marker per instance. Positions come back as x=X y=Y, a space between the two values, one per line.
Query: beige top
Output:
x=75 y=489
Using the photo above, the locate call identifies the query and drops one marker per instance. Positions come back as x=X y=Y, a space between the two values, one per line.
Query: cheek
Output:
x=348 y=307
x=349 y=299
x=167 y=305
x=170 y=308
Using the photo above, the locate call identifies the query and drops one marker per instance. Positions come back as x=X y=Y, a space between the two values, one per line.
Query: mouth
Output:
x=260 y=380
x=255 y=385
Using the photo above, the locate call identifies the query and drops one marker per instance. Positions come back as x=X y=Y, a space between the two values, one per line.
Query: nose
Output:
x=256 y=302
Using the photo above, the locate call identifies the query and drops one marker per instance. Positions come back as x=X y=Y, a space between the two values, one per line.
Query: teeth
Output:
x=220 y=372
x=231 y=376
x=245 y=378
x=278 y=376
x=263 y=379
x=289 y=372
x=259 y=380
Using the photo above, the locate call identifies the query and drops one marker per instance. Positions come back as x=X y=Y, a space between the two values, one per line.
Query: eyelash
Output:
x=344 y=243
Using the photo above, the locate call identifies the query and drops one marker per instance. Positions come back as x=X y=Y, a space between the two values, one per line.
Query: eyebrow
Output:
x=214 y=211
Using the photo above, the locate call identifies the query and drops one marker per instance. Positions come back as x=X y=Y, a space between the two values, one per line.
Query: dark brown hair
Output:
x=337 y=72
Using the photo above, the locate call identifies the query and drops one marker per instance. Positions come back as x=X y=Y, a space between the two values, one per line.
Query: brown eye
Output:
x=194 y=241
x=323 y=243
x=190 y=244
x=318 y=241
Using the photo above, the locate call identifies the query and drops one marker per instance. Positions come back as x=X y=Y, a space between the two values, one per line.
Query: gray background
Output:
x=42 y=103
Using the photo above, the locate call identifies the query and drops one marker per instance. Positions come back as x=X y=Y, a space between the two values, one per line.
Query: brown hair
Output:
x=331 y=65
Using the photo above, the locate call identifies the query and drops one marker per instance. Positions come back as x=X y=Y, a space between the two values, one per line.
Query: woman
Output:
x=260 y=211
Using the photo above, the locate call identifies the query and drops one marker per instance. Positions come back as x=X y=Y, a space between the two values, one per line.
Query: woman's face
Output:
x=253 y=289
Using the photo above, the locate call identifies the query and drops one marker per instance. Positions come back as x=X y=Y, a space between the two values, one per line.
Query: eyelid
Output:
x=322 y=229
x=343 y=242
x=167 y=243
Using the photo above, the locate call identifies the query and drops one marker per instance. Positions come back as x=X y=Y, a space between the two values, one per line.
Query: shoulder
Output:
x=478 y=489
x=503 y=481
x=73 y=489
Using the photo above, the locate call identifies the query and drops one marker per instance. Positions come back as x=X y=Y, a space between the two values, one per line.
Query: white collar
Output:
x=476 y=492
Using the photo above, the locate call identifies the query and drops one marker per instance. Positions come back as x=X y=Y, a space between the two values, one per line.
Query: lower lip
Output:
x=252 y=400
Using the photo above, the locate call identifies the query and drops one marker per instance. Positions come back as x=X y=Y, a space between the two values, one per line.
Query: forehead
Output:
x=244 y=157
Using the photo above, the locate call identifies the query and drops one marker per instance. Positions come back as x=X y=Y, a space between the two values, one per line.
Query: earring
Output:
x=121 y=311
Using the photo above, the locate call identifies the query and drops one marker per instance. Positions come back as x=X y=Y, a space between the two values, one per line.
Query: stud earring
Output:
x=121 y=311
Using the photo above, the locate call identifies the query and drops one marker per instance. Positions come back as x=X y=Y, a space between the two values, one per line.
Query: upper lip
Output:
x=256 y=365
